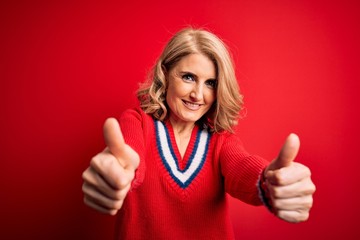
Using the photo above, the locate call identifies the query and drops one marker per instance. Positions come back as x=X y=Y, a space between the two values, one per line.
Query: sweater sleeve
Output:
x=132 y=127
x=241 y=171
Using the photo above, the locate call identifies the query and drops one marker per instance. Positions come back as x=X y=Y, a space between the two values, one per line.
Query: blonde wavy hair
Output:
x=224 y=113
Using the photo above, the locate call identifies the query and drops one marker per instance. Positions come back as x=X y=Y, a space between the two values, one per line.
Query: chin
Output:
x=191 y=118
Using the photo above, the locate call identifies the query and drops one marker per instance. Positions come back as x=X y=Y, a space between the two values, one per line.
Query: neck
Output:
x=182 y=131
x=181 y=127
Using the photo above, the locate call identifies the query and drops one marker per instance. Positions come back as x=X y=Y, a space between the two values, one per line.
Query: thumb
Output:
x=287 y=153
x=113 y=137
x=117 y=146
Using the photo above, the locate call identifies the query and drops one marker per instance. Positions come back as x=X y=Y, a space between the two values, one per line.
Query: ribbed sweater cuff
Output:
x=263 y=191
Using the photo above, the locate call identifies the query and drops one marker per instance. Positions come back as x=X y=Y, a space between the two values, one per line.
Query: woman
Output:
x=166 y=172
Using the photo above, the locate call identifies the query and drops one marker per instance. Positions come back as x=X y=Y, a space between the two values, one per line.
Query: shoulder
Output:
x=225 y=136
x=135 y=114
x=136 y=120
x=225 y=141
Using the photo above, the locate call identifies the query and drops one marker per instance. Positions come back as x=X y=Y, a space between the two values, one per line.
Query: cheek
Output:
x=171 y=94
x=210 y=96
x=177 y=91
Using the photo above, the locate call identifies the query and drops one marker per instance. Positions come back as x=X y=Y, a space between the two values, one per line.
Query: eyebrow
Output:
x=188 y=72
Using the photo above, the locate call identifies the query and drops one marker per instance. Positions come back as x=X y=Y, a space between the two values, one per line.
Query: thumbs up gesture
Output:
x=289 y=184
x=108 y=178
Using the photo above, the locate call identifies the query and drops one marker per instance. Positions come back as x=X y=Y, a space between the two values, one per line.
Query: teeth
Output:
x=192 y=104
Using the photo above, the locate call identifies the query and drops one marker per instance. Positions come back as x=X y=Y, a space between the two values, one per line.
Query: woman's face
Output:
x=191 y=88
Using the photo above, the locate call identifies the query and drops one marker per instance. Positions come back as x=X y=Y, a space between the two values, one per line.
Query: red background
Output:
x=65 y=67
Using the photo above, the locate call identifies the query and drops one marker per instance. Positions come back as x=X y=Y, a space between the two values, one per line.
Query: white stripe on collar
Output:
x=196 y=160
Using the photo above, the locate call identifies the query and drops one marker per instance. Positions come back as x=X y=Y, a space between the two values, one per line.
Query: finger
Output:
x=301 y=188
x=97 y=198
x=288 y=175
x=293 y=216
x=89 y=202
x=295 y=204
x=287 y=154
x=91 y=177
x=108 y=167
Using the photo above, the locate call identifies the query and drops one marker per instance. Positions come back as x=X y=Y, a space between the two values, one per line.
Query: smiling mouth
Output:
x=191 y=105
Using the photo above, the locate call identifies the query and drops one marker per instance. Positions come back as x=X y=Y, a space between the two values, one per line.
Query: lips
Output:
x=191 y=105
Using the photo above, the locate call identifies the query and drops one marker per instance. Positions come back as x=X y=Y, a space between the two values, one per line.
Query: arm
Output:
x=285 y=186
x=288 y=184
x=240 y=170
x=111 y=173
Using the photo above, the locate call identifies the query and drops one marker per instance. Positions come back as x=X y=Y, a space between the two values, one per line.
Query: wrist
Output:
x=264 y=193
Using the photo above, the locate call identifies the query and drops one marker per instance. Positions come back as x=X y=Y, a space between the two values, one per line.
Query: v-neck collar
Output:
x=182 y=170
x=182 y=161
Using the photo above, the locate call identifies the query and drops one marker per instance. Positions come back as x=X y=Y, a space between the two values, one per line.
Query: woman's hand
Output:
x=108 y=178
x=289 y=184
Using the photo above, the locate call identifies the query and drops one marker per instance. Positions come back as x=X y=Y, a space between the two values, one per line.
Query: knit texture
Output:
x=184 y=198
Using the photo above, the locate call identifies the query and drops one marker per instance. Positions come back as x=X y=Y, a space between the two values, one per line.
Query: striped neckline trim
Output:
x=196 y=160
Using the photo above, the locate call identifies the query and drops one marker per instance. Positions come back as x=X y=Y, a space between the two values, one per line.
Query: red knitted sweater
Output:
x=184 y=198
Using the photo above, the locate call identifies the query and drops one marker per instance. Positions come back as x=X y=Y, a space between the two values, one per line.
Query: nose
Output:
x=197 y=93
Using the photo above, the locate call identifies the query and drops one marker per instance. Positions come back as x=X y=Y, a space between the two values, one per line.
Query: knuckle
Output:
x=303 y=216
x=95 y=164
x=94 y=160
x=310 y=189
x=276 y=192
x=122 y=181
x=102 y=160
x=130 y=176
x=87 y=190
x=89 y=180
x=85 y=174
x=313 y=187
x=112 y=212
x=84 y=188
x=292 y=216
x=280 y=177
x=276 y=204
x=307 y=171
x=120 y=195
x=88 y=175
x=303 y=169
x=116 y=205
x=309 y=203
x=284 y=215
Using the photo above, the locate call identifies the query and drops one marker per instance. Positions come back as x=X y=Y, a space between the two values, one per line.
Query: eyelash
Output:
x=211 y=83
x=187 y=76
x=190 y=77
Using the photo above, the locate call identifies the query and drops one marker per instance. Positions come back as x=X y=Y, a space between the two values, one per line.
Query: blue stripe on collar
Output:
x=196 y=160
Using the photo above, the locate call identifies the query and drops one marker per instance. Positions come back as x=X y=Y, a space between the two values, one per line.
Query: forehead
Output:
x=198 y=64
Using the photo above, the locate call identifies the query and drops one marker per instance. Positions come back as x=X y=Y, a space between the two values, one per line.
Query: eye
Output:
x=211 y=83
x=188 y=77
